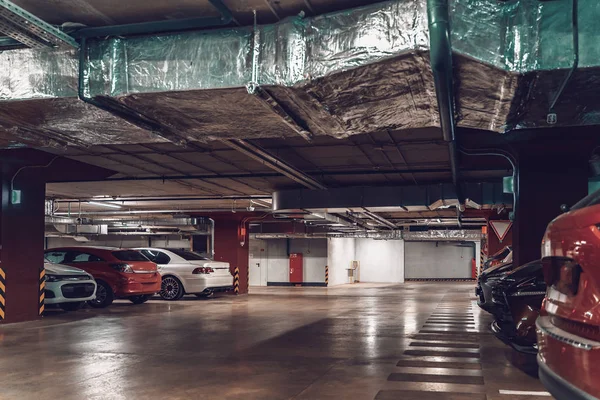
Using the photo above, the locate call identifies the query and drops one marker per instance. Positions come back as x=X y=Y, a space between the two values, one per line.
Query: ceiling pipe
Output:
x=361 y=172
x=143 y=212
x=155 y=199
x=515 y=171
x=441 y=65
x=575 y=24
x=378 y=219
x=258 y=154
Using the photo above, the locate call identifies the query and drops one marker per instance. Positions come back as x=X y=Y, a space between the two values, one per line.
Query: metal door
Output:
x=258 y=262
x=296 y=270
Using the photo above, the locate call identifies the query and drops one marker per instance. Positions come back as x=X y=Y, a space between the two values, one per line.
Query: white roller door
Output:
x=437 y=260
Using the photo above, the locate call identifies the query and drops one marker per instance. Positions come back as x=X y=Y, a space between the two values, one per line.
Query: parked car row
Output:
x=99 y=275
x=552 y=306
x=514 y=297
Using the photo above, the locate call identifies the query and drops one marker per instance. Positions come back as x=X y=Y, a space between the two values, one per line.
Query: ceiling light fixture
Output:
x=109 y=205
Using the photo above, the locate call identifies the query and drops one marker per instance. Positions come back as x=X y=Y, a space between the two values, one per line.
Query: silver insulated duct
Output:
x=351 y=72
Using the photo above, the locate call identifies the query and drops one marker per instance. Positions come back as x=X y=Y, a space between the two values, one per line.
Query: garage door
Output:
x=431 y=260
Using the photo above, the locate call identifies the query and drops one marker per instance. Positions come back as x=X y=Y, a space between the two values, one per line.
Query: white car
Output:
x=68 y=287
x=187 y=272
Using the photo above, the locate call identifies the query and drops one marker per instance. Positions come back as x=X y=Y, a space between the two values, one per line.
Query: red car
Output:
x=119 y=273
x=569 y=328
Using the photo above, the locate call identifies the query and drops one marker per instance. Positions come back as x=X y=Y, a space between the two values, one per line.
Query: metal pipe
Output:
x=441 y=65
x=515 y=174
x=153 y=199
x=143 y=212
x=212 y=238
x=274 y=175
x=155 y=27
x=260 y=155
x=379 y=219
x=575 y=23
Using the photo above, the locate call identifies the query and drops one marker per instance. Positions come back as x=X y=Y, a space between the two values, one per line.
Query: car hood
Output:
x=526 y=271
x=59 y=269
x=496 y=270
x=526 y=278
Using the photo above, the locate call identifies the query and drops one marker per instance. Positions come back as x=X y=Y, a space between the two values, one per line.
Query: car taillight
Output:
x=562 y=273
x=546 y=246
x=124 y=268
x=203 y=270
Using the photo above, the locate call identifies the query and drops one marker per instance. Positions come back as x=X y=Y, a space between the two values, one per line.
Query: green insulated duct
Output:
x=440 y=55
x=367 y=69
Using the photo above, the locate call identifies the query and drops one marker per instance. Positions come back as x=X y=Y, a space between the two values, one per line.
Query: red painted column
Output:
x=22 y=242
x=231 y=244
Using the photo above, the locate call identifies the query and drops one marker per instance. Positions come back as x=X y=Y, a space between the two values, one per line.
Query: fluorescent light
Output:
x=109 y=205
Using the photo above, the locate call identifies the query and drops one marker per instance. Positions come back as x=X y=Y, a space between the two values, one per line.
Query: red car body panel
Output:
x=569 y=332
x=145 y=280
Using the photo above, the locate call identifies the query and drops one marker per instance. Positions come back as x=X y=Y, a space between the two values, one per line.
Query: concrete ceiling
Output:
x=214 y=169
x=117 y=12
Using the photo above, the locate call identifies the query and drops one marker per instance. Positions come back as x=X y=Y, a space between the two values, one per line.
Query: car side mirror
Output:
x=564 y=208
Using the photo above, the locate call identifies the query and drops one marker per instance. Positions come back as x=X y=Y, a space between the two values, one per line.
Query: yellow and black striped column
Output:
x=236 y=280
x=42 y=292
x=2 y=293
x=327 y=275
x=482 y=259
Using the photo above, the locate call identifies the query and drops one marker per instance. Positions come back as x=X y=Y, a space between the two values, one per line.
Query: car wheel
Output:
x=140 y=299
x=71 y=306
x=104 y=296
x=171 y=288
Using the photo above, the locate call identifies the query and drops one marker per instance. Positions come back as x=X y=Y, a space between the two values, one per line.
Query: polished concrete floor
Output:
x=424 y=341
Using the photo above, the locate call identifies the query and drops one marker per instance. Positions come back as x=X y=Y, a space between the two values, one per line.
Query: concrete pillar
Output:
x=547 y=179
x=340 y=253
x=22 y=242
x=231 y=244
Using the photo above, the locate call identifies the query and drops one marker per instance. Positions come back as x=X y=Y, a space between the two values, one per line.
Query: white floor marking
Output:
x=524 y=393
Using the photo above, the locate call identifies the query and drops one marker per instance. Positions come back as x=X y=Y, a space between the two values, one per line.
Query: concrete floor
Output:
x=423 y=341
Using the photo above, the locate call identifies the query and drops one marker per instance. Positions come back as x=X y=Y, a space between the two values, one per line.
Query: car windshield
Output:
x=588 y=201
x=129 y=255
x=189 y=255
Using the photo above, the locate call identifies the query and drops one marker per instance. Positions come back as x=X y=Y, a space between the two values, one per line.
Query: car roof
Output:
x=170 y=253
x=107 y=248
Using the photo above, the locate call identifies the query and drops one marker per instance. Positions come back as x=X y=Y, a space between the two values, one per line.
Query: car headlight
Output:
x=53 y=278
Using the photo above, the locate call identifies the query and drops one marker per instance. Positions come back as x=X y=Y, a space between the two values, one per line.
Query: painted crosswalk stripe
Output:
x=524 y=393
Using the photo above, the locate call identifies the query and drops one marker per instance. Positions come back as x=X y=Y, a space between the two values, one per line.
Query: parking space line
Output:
x=524 y=393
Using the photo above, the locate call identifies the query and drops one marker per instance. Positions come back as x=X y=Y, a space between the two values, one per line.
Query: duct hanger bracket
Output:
x=30 y=30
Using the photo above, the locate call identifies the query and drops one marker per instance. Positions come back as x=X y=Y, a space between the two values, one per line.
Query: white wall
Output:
x=276 y=259
x=380 y=260
x=437 y=260
x=340 y=253
x=278 y=262
x=123 y=241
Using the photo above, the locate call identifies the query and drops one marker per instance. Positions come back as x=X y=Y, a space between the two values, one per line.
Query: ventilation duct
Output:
x=443 y=235
x=323 y=72
x=70 y=227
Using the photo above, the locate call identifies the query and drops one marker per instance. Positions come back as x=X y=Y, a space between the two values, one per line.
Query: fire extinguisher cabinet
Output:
x=296 y=263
